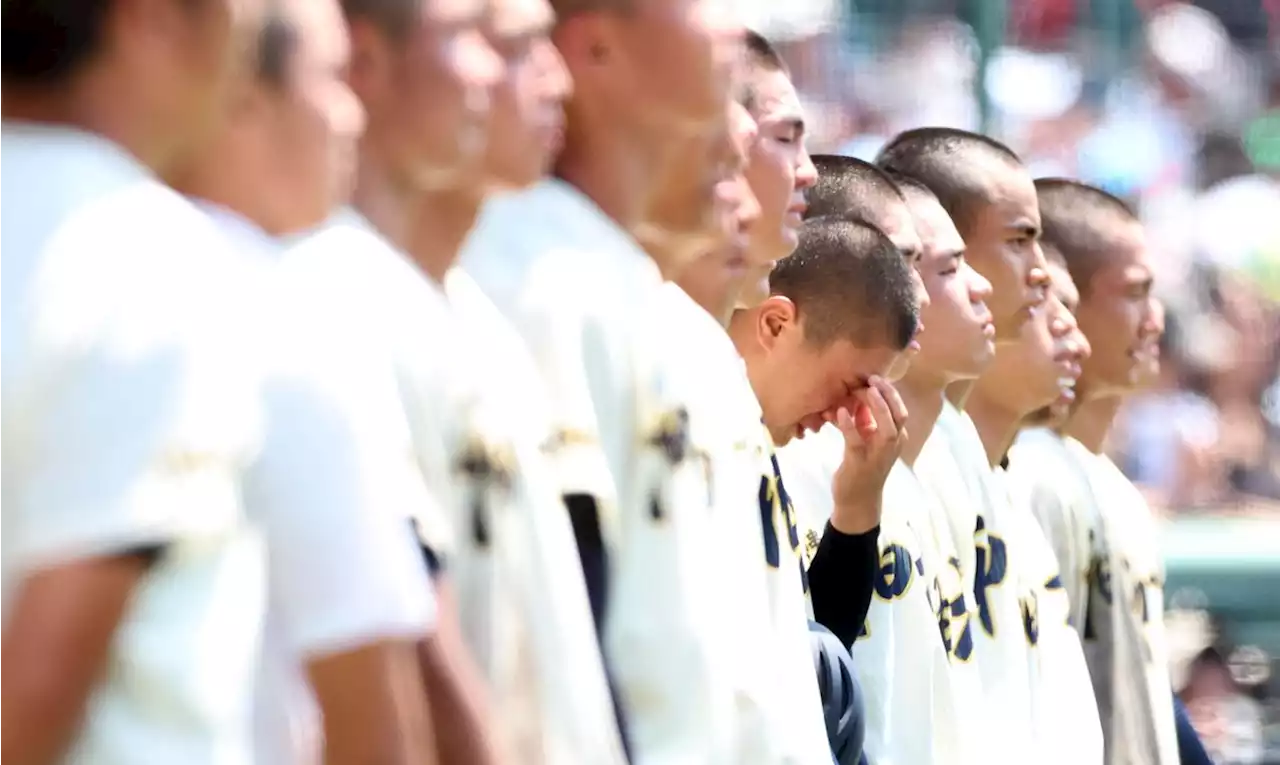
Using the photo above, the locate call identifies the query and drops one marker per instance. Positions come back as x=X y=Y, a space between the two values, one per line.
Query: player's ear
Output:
x=774 y=318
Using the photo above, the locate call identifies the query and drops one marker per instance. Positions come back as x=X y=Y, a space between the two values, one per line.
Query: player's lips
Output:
x=988 y=324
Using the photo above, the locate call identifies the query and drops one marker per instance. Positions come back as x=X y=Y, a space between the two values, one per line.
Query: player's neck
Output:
x=923 y=396
x=439 y=227
x=997 y=425
x=94 y=106
x=613 y=166
x=424 y=225
x=1091 y=421
x=958 y=393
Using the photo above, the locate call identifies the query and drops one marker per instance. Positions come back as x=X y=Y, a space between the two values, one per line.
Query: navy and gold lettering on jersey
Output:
x=1031 y=618
x=485 y=467
x=992 y=565
x=953 y=624
x=778 y=519
x=897 y=571
x=1100 y=594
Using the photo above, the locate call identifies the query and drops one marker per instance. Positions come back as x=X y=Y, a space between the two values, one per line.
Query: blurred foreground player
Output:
x=523 y=622
x=1110 y=524
x=422 y=70
x=128 y=417
x=688 y=315
x=780 y=724
x=329 y=488
x=563 y=263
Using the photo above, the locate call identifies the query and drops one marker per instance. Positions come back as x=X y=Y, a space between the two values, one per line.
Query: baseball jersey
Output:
x=953 y=465
x=582 y=293
x=501 y=537
x=1056 y=489
x=128 y=421
x=913 y=657
x=1141 y=729
x=329 y=488
x=1064 y=715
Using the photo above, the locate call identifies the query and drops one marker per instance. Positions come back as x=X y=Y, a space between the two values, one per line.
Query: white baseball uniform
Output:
x=1142 y=728
x=330 y=488
x=1065 y=725
x=913 y=658
x=583 y=293
x=128 y=420
x=953 y=465
x=1057 y=490
x=472 y=436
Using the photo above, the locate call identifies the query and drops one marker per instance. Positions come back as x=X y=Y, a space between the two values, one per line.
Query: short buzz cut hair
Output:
x=849 y=282
x=1079 y=222
x=850 y=187
x=47 y=42
x=955 y=164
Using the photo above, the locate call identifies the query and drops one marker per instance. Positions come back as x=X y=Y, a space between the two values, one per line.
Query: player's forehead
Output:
x=742 y=129
x=1010 y=196
x=1128 y=259
x=774 y=95
x=938 y=234
x=897 y=223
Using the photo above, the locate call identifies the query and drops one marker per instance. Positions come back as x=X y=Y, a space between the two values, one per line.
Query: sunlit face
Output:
x=780 y=172
x=1120 y=316
x=800 y=384
x=1041 y=369
x=527 y=120
x=427 y=92
x=1002 y=242
x=673 y=60
x=958 y=337
x=309 y=123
